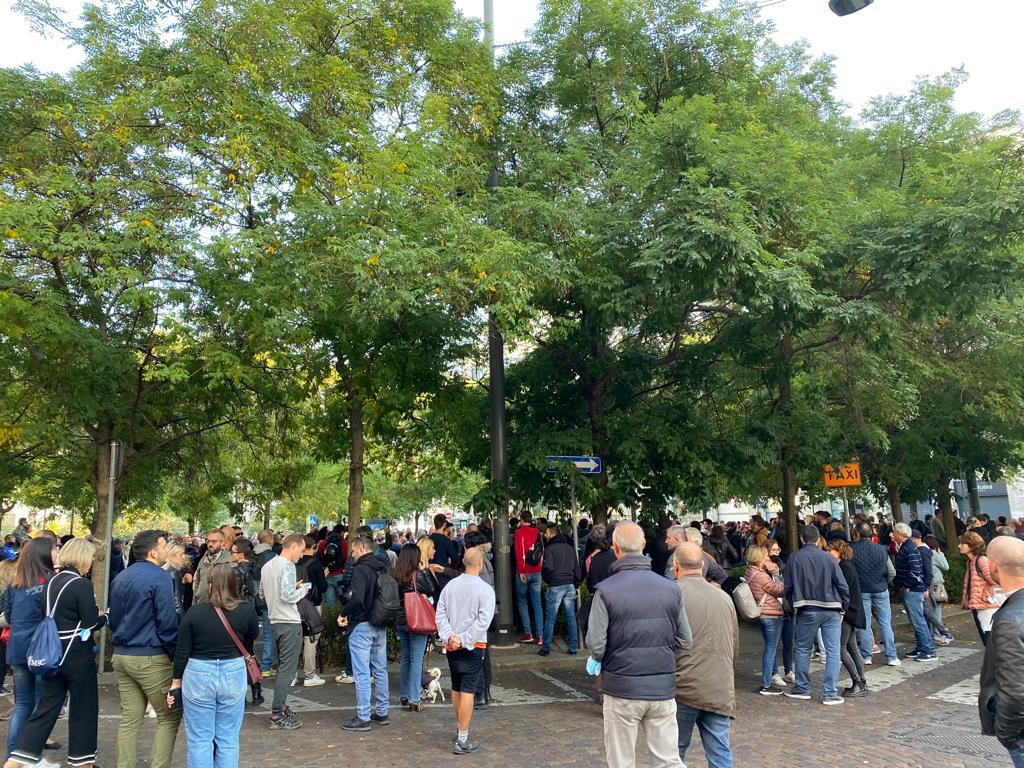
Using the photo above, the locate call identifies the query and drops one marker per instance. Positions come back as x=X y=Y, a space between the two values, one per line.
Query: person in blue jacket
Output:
x=23 y=610
x=145 y=635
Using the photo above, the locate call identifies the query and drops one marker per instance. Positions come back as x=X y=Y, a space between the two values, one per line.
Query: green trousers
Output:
x=142 y=680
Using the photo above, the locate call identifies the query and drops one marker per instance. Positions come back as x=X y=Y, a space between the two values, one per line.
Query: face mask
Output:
x=174 y=565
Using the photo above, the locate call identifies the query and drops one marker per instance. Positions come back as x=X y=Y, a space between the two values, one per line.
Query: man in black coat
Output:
x=1001 y=701
x=561 y=572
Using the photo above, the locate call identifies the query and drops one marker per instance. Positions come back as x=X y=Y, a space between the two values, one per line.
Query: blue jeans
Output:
x=808 y=622
x=530 y=589
x=913 y=603
x=557 y=596
x=28 y=691
x=714 y=734
x=369 y=648
x=333 y=593
x=411 y=669
x=771 y=631
x=877 y=603
x=1017 y=756
x=268 y=642
x=213 y=692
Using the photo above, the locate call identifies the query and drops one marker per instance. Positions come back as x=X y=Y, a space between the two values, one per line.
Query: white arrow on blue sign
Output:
x=588 y=465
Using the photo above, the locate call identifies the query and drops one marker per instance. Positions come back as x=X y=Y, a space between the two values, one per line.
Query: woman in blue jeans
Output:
x=210 y=671
x=762 y=576
x=412 y=574
x=23 y=610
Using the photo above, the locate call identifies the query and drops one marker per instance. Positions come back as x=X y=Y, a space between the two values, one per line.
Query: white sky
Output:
x=880 y=49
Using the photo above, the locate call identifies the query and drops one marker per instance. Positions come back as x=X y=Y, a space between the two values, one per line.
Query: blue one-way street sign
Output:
x=588 y=465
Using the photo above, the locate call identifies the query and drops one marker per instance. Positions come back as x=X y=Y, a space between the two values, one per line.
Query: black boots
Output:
x=859 y=688
x=257 y=694
x=483 y=698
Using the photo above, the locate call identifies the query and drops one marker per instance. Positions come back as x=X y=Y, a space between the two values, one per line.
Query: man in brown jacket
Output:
x=705 y=689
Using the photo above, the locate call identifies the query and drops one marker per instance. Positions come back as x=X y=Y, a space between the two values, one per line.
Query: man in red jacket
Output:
x=528 y=583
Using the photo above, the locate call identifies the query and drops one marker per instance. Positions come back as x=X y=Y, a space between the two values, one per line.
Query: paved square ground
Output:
x=545 y=714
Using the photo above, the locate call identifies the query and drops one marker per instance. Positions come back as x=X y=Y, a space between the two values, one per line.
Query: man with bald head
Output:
x=1001 y=701
x=705 y=687
x=637 y=624
x=464 y=613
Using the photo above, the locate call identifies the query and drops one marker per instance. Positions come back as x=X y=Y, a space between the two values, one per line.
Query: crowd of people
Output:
x=187 y=613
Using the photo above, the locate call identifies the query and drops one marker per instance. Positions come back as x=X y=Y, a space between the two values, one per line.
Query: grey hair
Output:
x=693 y=535
x=629 y=538
x=679 y=531
x=903 y=530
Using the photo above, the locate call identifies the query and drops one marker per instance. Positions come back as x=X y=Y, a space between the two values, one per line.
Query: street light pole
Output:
x=499 y=451
x=115 y=460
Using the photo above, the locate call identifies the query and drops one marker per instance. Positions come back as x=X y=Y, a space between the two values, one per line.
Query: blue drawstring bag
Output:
x=45 y=655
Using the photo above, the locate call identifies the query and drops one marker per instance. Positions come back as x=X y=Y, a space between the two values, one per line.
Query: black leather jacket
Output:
x=1001 y=702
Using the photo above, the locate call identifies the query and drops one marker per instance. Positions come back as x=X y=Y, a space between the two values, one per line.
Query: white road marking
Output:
x=568 y=689
x=880 y=676
x=965 y=692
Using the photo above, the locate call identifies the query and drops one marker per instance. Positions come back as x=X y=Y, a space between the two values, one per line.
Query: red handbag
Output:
x=419 y=613
x=252 y=667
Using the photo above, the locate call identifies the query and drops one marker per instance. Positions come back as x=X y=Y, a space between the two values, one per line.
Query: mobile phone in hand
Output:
x=175 y=694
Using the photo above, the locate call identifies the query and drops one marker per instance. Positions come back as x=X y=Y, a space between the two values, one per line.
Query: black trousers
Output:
x=77 y=677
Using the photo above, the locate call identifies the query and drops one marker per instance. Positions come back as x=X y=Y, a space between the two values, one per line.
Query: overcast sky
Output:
x=879 y=50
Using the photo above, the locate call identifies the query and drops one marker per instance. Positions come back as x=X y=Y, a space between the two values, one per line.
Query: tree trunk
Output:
x=266 y=515
x=946 y=509
x=355 y=465
x=972 y=493
x=895 y=502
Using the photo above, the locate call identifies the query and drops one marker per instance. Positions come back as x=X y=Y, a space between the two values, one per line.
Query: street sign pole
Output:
x=576 y=548
x=846 y=513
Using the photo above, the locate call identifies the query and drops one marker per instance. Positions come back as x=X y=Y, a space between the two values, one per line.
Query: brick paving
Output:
x=546 y=715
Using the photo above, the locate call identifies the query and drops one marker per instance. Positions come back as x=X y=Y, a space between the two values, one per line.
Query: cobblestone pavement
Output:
x=917 y=716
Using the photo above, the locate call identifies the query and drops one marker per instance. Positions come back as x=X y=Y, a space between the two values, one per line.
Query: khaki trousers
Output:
x=309 y=654
x=656 y=720
x=142 y=679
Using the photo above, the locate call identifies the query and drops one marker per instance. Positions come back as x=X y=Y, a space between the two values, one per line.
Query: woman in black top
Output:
x=73 y=603
x=600 y=566
x=853 y=619
x=210 y=672
x=409 y=569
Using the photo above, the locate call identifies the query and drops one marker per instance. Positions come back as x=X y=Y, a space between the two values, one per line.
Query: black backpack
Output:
x=333 y=560
x=387 y=601
x=535 y=553
x=312 y=622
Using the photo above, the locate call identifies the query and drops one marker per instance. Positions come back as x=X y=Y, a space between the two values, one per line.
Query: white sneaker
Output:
x=313 y=681
x=344 y=679
x=778 y=681
x=790 y=677
x=150 y=712
x=295 y=682
x=46 y=764
x=868 y=662
x=894 y=663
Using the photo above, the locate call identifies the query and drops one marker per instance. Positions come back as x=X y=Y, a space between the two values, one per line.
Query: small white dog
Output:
x=434 y=689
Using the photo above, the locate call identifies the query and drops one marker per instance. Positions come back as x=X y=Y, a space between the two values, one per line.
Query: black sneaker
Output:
x=355 y=724
x=465 y=747
x=543 y=652
x=380 y=719
x=284 y=722
x=767 y=690
x=926 y=657
x=797 y=695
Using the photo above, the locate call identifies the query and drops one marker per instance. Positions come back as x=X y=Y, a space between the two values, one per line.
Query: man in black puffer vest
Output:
x=637 y=623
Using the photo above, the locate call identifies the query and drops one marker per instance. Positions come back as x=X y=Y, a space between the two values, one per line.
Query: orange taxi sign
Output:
x=841 y=477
